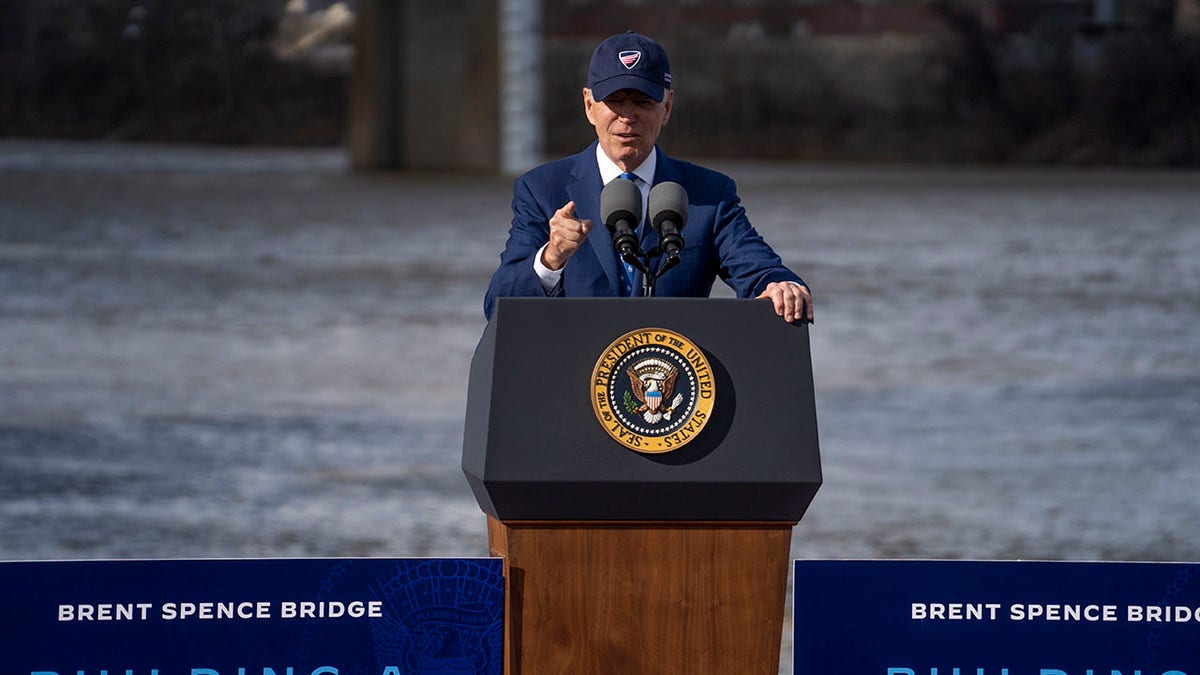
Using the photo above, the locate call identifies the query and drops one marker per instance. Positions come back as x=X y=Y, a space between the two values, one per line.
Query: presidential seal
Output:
x=652 y=390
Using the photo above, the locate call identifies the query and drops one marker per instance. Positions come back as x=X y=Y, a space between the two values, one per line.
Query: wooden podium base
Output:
x=642 y=598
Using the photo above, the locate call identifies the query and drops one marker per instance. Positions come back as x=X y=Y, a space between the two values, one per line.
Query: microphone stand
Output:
x=649 y=281
x=643 y=266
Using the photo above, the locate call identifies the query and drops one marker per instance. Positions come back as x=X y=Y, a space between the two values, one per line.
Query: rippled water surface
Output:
x=226 y=352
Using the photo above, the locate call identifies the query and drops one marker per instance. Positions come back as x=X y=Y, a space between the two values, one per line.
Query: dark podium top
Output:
x=533 y=448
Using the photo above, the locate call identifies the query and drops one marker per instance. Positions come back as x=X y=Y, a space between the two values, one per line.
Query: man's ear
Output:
x=588 y=104
x=668 y=102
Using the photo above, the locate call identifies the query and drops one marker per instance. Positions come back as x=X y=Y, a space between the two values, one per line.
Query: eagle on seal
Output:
x=653 y=382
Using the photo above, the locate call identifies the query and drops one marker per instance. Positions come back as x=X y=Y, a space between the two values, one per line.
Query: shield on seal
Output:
x=653 y=396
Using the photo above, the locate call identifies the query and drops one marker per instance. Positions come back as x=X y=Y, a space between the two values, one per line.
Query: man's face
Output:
x=627 y=123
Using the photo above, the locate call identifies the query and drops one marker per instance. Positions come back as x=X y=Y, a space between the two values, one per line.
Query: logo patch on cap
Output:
x=630 y=58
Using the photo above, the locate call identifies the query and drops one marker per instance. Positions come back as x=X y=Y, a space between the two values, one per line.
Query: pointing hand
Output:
x=566 y=235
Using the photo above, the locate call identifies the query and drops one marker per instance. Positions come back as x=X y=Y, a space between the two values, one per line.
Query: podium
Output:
x=642 y=463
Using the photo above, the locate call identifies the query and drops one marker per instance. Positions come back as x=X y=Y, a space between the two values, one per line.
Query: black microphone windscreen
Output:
x=668 y=201
x=621 y=200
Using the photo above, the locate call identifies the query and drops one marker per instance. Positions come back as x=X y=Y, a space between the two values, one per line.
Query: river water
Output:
x=254 y=352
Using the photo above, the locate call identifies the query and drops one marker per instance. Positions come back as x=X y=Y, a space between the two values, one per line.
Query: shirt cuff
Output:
x=550 y=278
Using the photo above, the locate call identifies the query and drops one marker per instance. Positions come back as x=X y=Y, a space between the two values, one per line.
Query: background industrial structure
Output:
x=488 y=84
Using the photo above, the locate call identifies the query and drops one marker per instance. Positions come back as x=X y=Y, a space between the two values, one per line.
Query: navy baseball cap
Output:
x=629 y=61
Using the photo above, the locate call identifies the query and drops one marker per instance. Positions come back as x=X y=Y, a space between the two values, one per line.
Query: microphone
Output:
x=668 y=206
x=621 y=210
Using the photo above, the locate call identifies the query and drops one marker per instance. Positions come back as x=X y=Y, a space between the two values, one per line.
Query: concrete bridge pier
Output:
x=435 y=83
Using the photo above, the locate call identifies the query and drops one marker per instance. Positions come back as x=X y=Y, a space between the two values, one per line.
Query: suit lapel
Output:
x=666 y=171
x=585 y=192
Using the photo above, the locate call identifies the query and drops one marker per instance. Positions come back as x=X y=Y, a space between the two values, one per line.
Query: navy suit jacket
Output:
x=719 y=240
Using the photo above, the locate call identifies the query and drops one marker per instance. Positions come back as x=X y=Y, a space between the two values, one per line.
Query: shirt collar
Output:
x=609 y=169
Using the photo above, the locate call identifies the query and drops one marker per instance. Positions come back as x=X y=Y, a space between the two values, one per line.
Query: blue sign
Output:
x=996 y=618
x=253 y=617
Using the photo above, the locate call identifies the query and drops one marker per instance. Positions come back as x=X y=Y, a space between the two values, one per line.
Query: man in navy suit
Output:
x=553 y=248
